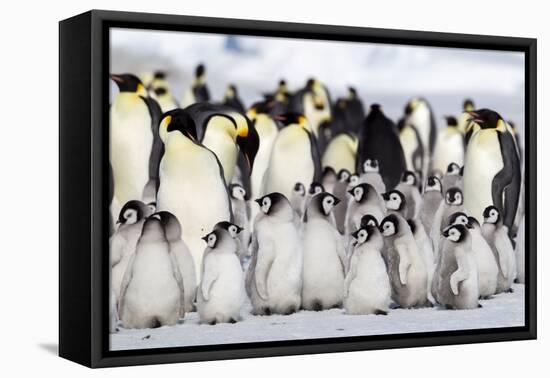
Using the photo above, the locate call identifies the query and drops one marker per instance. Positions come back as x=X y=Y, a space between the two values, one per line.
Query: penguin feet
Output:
x=289 y=310
x=380 y=312
x=212 y=322
x=317 y=305
x=516 y=281
x=394 y=306
x=232 y=321
x=449 y=307
x=427 y=304
x=510 y=290
x=262 y=311
x=485 y=297
x=479 y=305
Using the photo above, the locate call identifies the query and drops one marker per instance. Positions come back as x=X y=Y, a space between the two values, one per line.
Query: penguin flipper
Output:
x=264 y=261
x=209 y=276
x=461 y=273
x=404 y=262
x=124 y=285
x=178 y=277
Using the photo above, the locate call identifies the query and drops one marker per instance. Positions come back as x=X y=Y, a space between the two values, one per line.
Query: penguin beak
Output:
x=205 y=238
x=350 y=191
x=336 y=201
x=474 y=117
x=446 y=233
x=386 y=196
x=117 y=79
x=239 y=229
x=258 y=201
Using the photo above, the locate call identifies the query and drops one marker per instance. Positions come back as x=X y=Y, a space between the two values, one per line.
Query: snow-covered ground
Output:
x=504 y=310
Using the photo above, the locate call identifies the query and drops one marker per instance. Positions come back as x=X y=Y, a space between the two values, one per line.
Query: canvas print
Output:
x=267 y=189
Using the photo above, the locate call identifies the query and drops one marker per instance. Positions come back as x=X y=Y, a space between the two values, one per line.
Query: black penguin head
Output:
x=299 y=189
x=236 y=191
x=491 y=215
x=171 y=225
x=352 y=93
x=451 y=121
x=453 y=169
x=160 y=91
x=456 y=233
x=371 y=165
x=460 y=218
x=129 y=83
x=200 y=71
x=486 y=118
x=322 y=203
x=354 y=179
x=468 y=105
x=248 y=142
x=390 y=225
x=329 y=171
x=375 y=108
x=231 y=228
x=394 y=200
x=161 y=75
x=344 y=175
x=369 y=220
x=409 y=178
x=282 y=83
x=473 y=222
x=292 y=118
x=153 y=230
x=454 y=197
x=360 y=192
x=177 y=120
x=152 y=207
x=231 y=91
x=273 y=204
x=363 y=234
x=315 y=188
x=433 y=184
x=411 y=106
x=212 y=238
x=132 y=212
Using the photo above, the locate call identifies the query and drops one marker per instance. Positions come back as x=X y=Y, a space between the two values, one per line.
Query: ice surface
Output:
x=503 y=310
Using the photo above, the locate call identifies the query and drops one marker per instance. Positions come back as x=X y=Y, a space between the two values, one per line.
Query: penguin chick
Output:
x=457 y=282
x=221 y=293
x=340 y=192
x=425 y=248
x=409 y=187
x=276 y=277
x=367 y=286
x=241 y=217
x=364 y=200
x=324 y=256
x=152 y=288
x=449 y=147
x=452 y=178
x=496 y=235
x=371 y=175
x=487 y=266
x=406 y=268
x=453 y=202
x=186 y=265
x=395 y=202
x=431 y=199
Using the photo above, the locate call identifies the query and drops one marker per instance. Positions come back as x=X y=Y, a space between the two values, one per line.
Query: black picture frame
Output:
x=83 y=159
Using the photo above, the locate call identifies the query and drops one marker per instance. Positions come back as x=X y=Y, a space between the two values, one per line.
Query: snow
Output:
x=503 y=310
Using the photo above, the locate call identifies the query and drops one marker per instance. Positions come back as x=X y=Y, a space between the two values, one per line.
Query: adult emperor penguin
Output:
x=276 y=277
x=487 y=267
x=413 y=146
x=191 y=180
x=134 y=150
x=419 y=114
x=449 y=146
x=198 y=92
x=378 y=139
x=431 y=199
x=313 y=101
x=241 y=216
x=294 y=157
x=454 y=201
x=221 y=293
x=492 y=173
x=406 y=268
x=464 y=118
x=371 y=175
x=364 y=200
x=186 y=265
x=341 y=192
x=324 y=256
x=165 y=99
x=367 y=288
x=496 y=235
x=122 y=244
x=425 y=248
x=231 y=98
x=341 y=152
x=227 y=133
x=152 y=288
x=409 y=187
x=456 y=286
x=452 y=178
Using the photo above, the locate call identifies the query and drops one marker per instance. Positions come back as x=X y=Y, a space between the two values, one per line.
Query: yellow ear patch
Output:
x=140 y=90
x=163 y=127
x=242 y=131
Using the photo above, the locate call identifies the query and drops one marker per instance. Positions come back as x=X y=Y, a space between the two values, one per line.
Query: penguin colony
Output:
x=299 y=202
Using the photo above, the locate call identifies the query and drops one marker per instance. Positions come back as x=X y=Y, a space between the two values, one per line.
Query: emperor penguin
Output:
x=294 y=156
x=492 y=174
x=122 y=245
x=367 y=288
x=464 y=118
x=198 y=92
x=487 y=267
x=371 y=175
x=453 y=202
x=324 y=256
x=496 y=234
x=364 y=200
x=229 y=134
x=452 y=177
x=431 y=199
x=413 y=146
x=152 y=289
x=379 y=139
x=457 y=277
x=341 y=192
x=355 y=112
x=186 y=265
x=425 y=248
x=409 y=187
x=406 y=268
x=520 y=251
x=449 y=146
x=231 y=98
x=419 y=114
x=341 y=152
x=276 y=277
x=221 y=293
x=134 y=147
x=317 y=104
x=241 y=217
x=329 y=179
x=298 y=199
x=165 y=99
x=192 y=184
